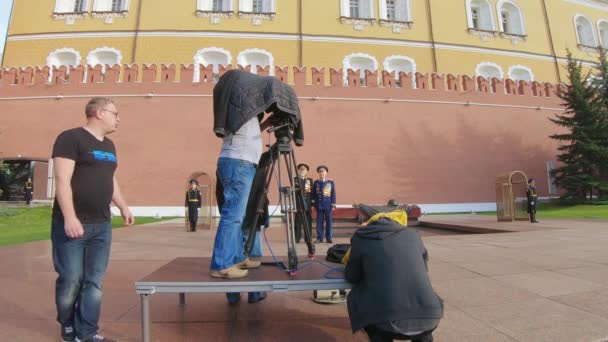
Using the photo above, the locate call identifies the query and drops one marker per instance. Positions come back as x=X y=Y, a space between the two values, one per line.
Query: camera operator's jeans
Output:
x=80 y=265
x=236 y=177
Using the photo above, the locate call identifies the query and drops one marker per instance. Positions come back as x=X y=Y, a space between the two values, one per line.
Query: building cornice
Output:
x=597 y=4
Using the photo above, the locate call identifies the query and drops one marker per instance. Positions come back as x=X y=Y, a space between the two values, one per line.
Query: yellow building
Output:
x=518 y=39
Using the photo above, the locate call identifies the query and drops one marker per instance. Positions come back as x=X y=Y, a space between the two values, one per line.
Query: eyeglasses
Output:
x=113 y=112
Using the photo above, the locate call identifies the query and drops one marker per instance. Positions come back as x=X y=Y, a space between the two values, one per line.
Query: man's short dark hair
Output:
x=96 y=104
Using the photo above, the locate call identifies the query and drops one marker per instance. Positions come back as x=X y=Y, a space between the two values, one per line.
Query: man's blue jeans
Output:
x=80 y=265
x=236 y=177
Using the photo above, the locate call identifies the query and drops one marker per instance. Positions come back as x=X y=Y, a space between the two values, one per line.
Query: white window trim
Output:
x=383 y=12
x=387 y=60
x=482 y=64
x=521 y=16
x=346 y=64
x=345 y=10
x=78 y=56
x=578 y=38
x=198 y=56
x=104 y=49
x=599 y=33
x=519 y=66
x=240 y=59
x=470 y=17
x=242 y=9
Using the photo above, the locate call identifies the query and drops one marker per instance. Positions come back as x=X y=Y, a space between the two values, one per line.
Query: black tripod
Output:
x=289 y=199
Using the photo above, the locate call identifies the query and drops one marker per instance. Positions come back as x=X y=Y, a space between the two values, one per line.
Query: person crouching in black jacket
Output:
x=392 y=297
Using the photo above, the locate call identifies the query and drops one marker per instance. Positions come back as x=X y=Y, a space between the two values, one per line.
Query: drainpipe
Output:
x=10 y=20
x=134 y=52
x=428 y=6
x=301 y=52
x=559 y=78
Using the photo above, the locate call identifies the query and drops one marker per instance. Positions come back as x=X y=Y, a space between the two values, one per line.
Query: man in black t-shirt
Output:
x=81 y=232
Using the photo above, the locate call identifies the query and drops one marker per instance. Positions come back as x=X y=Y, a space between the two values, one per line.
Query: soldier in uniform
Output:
x=303 y=186
x=28 y=189
x=193 y=202
x=532 y=200
x=324 y=201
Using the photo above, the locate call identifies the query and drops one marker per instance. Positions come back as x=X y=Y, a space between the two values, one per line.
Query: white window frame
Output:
x=488 y=64
x=513 y=68
x=106 y=6
x=469 y=10
x=207 y=6
x=63 y=50
x=199 y=59
x=383 y=10
x=241 y=59
x=91 y=56
x=246 y=6
x=346 y=65
x=61 y=5
x=603 y=43
x=345 y=9
x=499 y=11
x=578 y=38
x=388 y=60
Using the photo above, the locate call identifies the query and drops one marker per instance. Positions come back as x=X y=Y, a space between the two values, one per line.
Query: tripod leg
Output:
x=256 y=202
x=289 y=204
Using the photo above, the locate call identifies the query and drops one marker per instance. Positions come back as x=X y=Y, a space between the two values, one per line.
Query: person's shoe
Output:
x=318 y=241
x=330 y=241
x=247 y=263
x=255 y=297
x=534 y=221
x=67 y=333
x=96 y=338
x=230 y=273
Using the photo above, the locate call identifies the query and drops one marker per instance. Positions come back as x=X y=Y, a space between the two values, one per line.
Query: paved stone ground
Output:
x=543 y=282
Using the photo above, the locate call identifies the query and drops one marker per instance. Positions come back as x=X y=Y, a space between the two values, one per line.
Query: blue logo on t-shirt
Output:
x=104 y=156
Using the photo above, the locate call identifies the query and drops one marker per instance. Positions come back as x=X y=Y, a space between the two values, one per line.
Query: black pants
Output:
x=28 y=197
x=532 y=212
x=299 y=224
x=378 y=335
x=193 y=216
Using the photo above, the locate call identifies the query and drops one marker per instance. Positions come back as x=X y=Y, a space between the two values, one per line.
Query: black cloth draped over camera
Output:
x=238 y=96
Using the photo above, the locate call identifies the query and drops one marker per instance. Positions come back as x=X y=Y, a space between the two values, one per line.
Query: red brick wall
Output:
x=379 y=142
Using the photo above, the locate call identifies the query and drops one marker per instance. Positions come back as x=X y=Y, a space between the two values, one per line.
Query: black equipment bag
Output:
x=336 y=252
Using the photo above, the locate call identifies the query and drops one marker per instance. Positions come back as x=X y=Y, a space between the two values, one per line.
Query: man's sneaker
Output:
x=96 y=338
x=68 y=334
x=230 y=273
x=247 y=263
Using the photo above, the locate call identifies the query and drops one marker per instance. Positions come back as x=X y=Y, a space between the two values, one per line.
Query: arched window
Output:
x=602 y=29
x=111 y=5
x=395 y=10
x=357 y=8
x=255 y=57
x=399 y=64
x=65 y=56
x=521 y=73
x=71 y=6
x=211 y=56
x=479 y=15
x=511 y=17
x=214 y=5
x=489 y=70
x=584 y=31
x=361 y=62
x=257 y=6
x=104 y=56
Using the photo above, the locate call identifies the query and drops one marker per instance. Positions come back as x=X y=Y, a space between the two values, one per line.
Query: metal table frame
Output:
x=146 y=289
